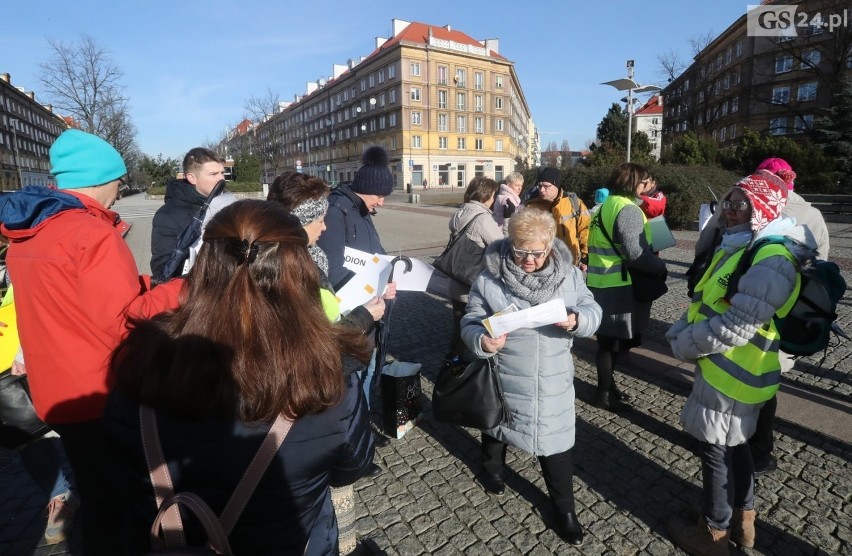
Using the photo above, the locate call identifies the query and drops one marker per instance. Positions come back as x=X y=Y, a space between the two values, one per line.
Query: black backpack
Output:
x=807 y=328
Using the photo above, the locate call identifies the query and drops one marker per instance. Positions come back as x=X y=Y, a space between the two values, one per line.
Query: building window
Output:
x=442 y=99
x=498 y=81
x=382 y=99
x=735 y=104
x=655 y=121
x=416 y=118
x=477 y=103
x=804 y=123
x=461 y=124
x=811 y=58
x=460 y=98
x=461 y=77
x=391 y=71
x=733 y=131
x=783 y=64
x=372 y=79
x=416 y=142
x=478 y=126
x=443 y=73
x=778 y=126
x=498 y=103
x=726 y=83
x=381 y=76
x=381 y=122
x=460 y=143
x=415 y=94
x=442 y=143
x=781 y=95
x=443 y=124
x=363 y=85
x=392 y=94
x=738 y=48
x=729 y=55
x=394 y=145
x=478 y=80
x=478 y=144
x=686 y=84
x=498 y=124
x=807 y=91
x=415 y=69
x=498 y=145
x=393 y=120
x=814 y=28
x=498 y=173
x=723 y=134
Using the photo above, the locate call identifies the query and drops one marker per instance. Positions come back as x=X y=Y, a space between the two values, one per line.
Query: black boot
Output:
x=617 y=394
x=604 y=400
x=493 y=483
x=569 y=529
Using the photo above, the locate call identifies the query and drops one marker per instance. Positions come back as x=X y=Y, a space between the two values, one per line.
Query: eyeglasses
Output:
x=734 y=205
x=544 y=185
x=523 y=254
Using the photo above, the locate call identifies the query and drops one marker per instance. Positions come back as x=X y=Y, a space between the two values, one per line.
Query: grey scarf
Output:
x=319 y=257
x=535 y=287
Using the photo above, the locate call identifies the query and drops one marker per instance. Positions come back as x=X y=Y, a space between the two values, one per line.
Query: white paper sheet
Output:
x=416 y=280
x=541 y=315
x=369 y=281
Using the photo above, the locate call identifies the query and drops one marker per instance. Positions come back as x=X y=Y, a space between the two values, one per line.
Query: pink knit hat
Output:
x=767 y=195
x=780 y=168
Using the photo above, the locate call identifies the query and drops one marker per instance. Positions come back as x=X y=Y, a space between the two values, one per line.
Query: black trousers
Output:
x=100 y=505
x=762 y=441
x=557 y=470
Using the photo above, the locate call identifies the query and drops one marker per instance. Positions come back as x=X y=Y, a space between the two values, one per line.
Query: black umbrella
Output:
x=187 y=238
x=382 y=331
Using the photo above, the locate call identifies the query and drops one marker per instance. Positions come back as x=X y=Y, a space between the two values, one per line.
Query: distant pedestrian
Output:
x=733 y=340
x=569 y=211
x=535 y=365
x=425 y=185
x=508 y=201
x=218 y=384
x=76 y=287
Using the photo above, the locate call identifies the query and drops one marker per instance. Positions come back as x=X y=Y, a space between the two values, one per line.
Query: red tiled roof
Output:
x=651 y=108
x=419 y=33
x=243 y=127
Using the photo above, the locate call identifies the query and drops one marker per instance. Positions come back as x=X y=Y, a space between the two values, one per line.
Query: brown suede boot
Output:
x=698 y=540
x=742 y=527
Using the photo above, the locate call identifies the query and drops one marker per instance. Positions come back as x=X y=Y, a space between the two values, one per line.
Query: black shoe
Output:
x=763 y=467
x=618 y=395
x=373 y=471
x=604 y=400
x=380 y=440
x=493 y=483
x=569 y=529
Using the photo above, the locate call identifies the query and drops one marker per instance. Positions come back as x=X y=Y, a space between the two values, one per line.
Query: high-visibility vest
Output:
x=330 y=305
x=606 y=267
x=749 y=373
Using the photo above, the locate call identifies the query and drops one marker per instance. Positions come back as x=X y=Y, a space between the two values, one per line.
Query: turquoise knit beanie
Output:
x=79 y=159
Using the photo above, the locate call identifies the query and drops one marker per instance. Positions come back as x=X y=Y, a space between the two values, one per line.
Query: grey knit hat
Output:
x=374 y=177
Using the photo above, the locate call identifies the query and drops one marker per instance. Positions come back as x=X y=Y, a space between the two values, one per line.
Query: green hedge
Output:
x=685 y=187
x=233 y=187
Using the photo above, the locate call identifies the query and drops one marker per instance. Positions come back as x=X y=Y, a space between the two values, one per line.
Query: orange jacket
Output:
x=572 y=222
x=76 y=284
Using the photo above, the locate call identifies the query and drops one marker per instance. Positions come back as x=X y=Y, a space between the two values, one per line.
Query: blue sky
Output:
x=190 y=65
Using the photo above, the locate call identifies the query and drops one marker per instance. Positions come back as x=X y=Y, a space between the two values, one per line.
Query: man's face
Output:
x=205 y=177
x=372 y=201
x=547 y=191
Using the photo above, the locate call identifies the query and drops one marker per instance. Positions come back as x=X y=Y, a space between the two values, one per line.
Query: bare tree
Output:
x=269 y=144
x=671 y=65
x=82 y=81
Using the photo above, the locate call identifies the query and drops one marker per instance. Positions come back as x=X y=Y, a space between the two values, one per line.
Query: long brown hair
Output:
x=625 y=179
x=252 y=339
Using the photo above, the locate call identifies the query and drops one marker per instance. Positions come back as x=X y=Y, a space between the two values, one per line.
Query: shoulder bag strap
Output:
x=161 y=480
x=612 y=243
x=455 y=237
x=256 y=469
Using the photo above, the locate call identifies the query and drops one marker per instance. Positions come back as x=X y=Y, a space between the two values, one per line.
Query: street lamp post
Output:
x=631 y=87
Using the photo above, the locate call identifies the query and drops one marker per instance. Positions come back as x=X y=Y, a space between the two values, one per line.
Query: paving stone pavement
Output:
x=632 y=470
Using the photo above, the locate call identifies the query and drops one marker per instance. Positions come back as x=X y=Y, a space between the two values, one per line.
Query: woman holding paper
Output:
x=618 y=245
x=535 y=366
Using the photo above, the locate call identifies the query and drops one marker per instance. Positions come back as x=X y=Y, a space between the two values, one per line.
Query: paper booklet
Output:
x=511 y=318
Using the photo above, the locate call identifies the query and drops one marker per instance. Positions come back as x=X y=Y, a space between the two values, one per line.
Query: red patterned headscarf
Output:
x=767 y=194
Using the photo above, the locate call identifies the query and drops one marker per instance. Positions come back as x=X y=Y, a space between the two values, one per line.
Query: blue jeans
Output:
x=366 y=377
x=728 y=474
x=45 y=461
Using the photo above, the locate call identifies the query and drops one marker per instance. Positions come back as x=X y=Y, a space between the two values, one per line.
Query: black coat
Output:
x=183 y=202
x=292 y=502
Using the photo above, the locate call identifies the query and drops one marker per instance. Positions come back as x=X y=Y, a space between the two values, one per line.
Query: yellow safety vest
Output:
x=330 y=305
x=606 y=267
x=748 y=373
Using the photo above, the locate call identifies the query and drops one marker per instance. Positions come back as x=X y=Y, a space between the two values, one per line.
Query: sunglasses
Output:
x=523 y=254
x=734 y=205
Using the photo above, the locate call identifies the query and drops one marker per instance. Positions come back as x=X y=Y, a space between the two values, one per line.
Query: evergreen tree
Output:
x=833 y=134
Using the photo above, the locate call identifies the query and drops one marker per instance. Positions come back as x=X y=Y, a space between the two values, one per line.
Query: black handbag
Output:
x=462 y=259
x=647 y=287
x=19 y=423
x=469 y=397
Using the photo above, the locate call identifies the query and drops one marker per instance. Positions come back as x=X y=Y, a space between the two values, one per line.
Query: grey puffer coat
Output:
x=709 y=415
x=535 y=366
